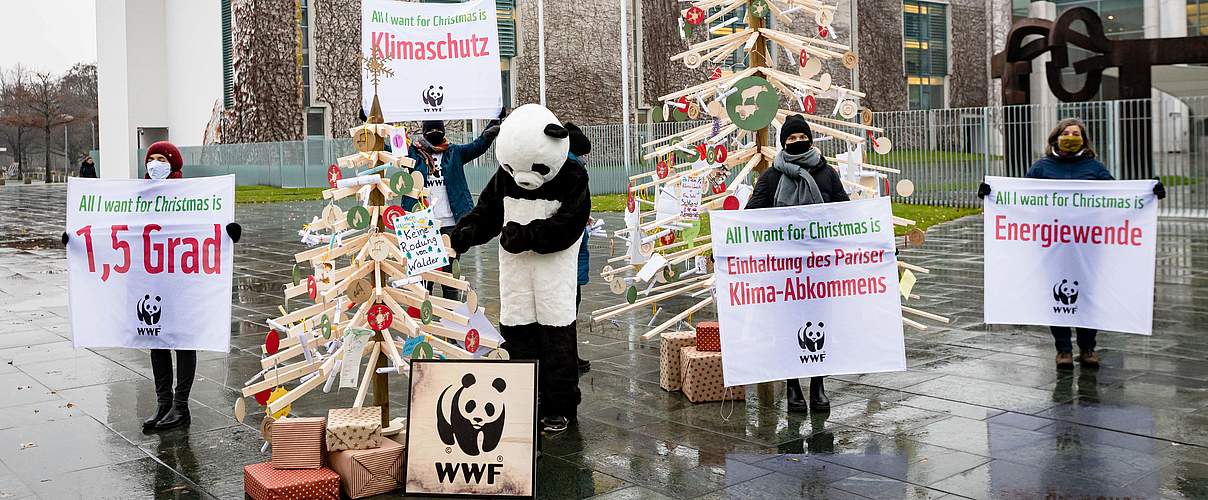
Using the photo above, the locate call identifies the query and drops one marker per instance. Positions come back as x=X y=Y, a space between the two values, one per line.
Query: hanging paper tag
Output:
x=690 y=195
x=354 y=343
x=907 y=283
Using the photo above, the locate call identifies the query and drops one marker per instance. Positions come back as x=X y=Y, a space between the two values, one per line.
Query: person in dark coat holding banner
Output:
x=1068 y=156
x=799 y=176
x=164 y=161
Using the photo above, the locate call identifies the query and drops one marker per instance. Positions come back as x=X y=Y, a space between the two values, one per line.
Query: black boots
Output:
x=178 y=416
x=818 y=400
x=160 y=411
x=795 y=398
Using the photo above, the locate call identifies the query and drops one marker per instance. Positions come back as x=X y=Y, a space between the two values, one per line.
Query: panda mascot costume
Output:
x=538 y=204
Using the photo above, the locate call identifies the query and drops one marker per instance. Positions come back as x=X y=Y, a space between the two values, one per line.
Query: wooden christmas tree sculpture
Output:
x=371 y=264
x=709 y=167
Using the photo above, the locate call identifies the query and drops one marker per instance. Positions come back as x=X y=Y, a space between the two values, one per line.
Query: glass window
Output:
x=1197 y=17
x=925 y=51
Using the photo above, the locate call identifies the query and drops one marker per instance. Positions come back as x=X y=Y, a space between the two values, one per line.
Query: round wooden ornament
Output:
x=850 y=60
x=331 y=215
x=905 y=188
x=617 y=286
x=848 y=109
x=359 y=291
x=882 y=145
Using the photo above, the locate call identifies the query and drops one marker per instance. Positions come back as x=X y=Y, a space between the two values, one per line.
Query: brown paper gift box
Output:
x=702 y=377
x=298 y=442
x=354 y=428
x=365 y=473
x=263 y=482
x=708 y=336
x=670 y=378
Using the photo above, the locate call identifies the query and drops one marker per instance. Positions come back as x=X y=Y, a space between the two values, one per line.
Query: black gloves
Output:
x=234 y=230
x=580 y=145
x=983 y=191
x=491 y=132
x=64 y=238
x=1159 y=190
x=512 y=238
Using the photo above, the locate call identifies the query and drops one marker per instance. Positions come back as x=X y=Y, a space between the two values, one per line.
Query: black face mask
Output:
x=796 y=148
x=435 y=137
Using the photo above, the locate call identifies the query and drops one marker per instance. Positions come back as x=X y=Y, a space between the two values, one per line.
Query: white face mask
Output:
x=158 y=169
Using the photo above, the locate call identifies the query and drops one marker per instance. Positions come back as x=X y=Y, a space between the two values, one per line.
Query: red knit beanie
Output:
x=170 y=152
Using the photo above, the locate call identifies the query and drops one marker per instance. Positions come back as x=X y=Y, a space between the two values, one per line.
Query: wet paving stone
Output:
x=981 y=412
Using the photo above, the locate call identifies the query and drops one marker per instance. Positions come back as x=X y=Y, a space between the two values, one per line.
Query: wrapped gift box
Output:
x=298 y=442
x=264 y=482
x=366 y=473
x=702 y=377
x=354 y=428
x=670 y=377
x=708 y=336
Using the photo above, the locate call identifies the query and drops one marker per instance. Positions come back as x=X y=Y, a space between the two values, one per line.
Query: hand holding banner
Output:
x=807 y=291
x=149 y=262
x=1070 y=253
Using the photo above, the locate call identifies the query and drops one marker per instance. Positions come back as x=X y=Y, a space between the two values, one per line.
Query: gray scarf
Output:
x=797 y=186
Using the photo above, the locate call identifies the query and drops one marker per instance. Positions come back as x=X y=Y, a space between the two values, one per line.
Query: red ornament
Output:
x=694 y=15
x=312 y=287
x=803 y=58
x=731 y=203
x=272 y=343
x=720 y=153
x=809 y=103
x=390 y=213
x=380 y=317
x=719 y=187
x=715 y=73
x=333 y=175
x=702 y=150
x=262 y=396
x=472 y=341
x=668 y=238
x=823 y=31
x=681 y=104
x=413 y=312
x=662 y=170
x=630 y=202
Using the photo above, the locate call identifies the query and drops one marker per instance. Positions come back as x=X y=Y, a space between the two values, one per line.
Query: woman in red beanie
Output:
x=163 y=161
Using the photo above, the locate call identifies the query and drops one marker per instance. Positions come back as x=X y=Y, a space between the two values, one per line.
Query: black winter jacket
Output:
x=826 y=177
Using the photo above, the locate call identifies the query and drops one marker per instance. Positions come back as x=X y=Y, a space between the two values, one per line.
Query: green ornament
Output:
x=401 y=182
x=425 y=312
x=297 y=275
x=631 y=295
x=423 y=350
x=754 y=105
x=325 y=326
x=656 y=115
x=358 y=217
x=456 y=268
x=691 y=233
x=759 y=8
x=670 y=274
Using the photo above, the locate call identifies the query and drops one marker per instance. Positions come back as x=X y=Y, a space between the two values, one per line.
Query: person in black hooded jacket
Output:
x=799 y=176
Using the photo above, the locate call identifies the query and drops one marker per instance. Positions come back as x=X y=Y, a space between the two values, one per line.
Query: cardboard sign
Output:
x=444 y=56
x=471 y=428
x=149 y=262
x=1071 y=253
x=807 y=291
x=419 y=240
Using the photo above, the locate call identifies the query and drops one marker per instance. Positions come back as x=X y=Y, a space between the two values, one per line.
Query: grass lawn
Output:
x=916 y=156
x=924 y=216
x=1179 y=180
x=269 y=194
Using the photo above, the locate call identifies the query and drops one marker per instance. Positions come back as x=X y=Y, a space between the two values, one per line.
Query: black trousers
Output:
x=556 y=352
x=1061 y=337
x=161 y=367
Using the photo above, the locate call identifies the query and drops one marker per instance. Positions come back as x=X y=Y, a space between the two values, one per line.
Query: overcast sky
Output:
x=47 y=35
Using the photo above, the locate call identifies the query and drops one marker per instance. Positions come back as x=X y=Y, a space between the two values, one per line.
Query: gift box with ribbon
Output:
x=263 y=481
x=703 y=379
x=670 y=378
x=708 y=336
x=354 y=428
x=371 y=472
x=298 y=442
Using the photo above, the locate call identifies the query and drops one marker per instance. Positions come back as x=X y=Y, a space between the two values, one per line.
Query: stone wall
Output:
x=335 y=59
x=968 y=81
x=882 y=70
x=268 y=86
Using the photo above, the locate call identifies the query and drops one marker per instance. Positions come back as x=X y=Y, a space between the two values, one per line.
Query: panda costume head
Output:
x=532 y=159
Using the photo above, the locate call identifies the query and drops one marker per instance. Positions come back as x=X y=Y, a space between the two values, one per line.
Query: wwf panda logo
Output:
x=811 y=338
x=1066 y=292
x=147 y=310
x=474 y=420
x=434 y=95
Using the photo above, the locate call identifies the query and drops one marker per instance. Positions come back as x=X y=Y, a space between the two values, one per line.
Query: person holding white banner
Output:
x=799 y=176
x=164 y=161
x=1068 y=155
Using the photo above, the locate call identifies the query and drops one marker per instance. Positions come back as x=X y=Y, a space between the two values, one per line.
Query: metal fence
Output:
x=945 y=152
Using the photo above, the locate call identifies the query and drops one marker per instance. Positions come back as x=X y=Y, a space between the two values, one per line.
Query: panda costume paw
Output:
x=537 y=203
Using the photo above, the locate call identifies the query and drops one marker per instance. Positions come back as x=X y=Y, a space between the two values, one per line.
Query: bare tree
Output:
x=47 y=103
x=16 y=122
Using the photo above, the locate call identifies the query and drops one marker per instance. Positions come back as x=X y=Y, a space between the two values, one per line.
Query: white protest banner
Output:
x=807 y=291
x=1070 y=253
x=419 y=240
x=149 y=262
x=445 y=58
